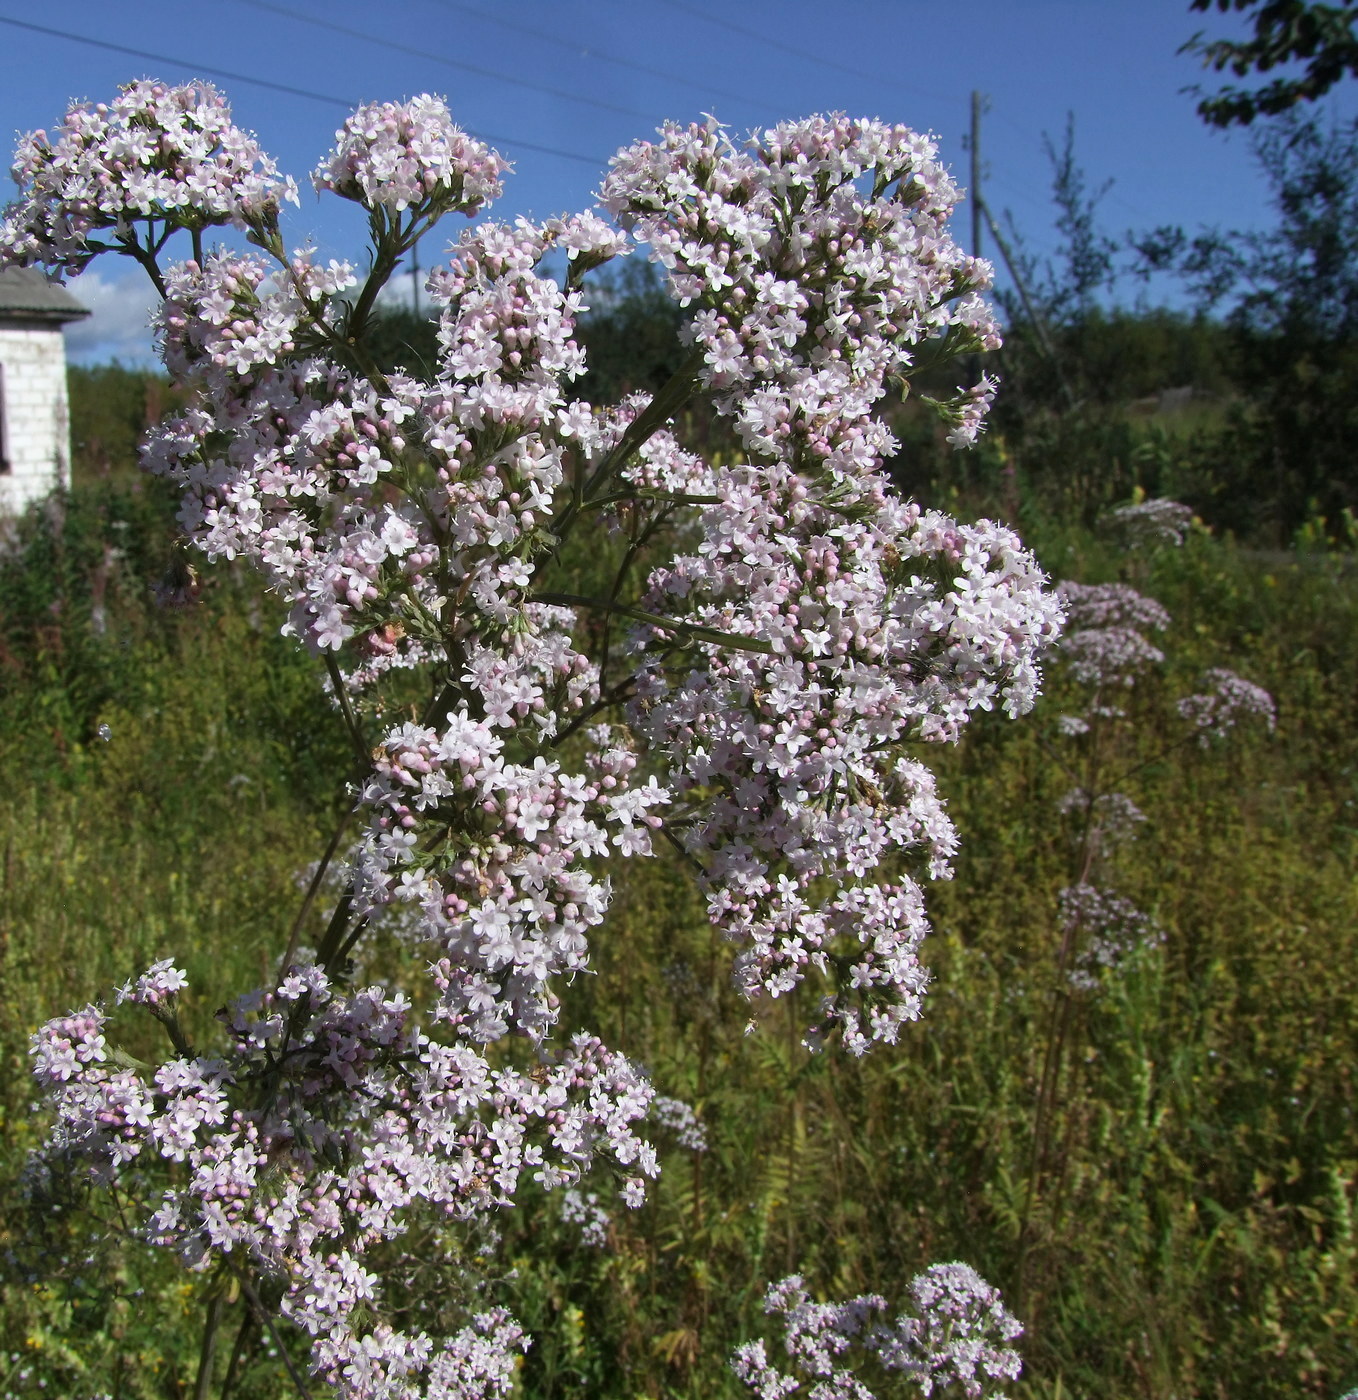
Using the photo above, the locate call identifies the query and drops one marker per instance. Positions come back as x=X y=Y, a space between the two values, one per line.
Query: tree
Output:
x=1300 y=277
x=1285 y=31
x=1290 y=295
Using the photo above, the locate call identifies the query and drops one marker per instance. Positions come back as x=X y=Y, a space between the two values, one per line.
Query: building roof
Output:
x=27 y=296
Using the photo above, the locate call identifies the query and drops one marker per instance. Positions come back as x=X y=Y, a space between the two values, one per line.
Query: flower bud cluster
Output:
x=155 y=152
x=812 y=292
x=327 y=1128
x=221 y=322
x=155 y=986
x=965 y=414
x=958 y=1335
x=403 y=154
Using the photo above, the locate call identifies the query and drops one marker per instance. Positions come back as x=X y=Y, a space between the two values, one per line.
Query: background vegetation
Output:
x=1180 y=1226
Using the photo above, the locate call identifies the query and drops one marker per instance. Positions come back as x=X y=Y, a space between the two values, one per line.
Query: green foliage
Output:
x=1190 y=1232
x=181 y=832
x=1242 y=408
x=630 y=333
x=111 y=407
x=399 y=337
x=1285 y=31
x=1115 y=359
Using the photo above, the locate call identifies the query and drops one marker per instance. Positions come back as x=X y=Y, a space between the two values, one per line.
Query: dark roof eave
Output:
x=29 y=318
x=26 y=295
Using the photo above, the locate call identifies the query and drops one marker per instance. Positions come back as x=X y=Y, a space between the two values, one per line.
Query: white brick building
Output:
x=35 y=429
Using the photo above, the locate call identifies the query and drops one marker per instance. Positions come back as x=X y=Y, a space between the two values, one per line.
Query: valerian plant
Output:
x=1108 y=662
x=777 y=635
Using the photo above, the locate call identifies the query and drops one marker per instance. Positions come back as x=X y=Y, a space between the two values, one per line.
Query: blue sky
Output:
x=560 y=86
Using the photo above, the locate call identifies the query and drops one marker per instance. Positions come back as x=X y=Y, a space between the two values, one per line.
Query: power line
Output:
x=165 y=58
x=194 y=66
x=581 y=52
x=425 y=54
x=1030 y=135
x=761 y=37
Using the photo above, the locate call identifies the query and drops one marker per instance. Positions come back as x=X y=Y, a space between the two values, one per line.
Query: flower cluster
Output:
x=1110 y=929
x=1148 y=524
x=868 y=622
x=1105 y=646
x=283 y=475
x=966 y=412
x=504 y=891
x=812 y=292
x=1229 y=699
x=957 y=1336
x=155 y=986
x=679 y=1119
x=155 y=153
x=1106 y=654
x=295 y=467
x=1103 y=820
x=223 y=321
x=405 y=154
x=582 y=1208
x=329 y=1125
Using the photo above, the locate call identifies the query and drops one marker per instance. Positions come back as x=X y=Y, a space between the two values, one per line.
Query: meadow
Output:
x=1176 y=1220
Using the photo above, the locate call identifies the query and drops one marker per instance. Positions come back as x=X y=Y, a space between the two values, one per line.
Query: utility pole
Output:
x=981 y=217
x=977 y=102
x=1034 y=315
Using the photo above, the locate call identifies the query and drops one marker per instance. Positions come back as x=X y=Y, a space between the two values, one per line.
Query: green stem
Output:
x=170 y=1020
x=215 y=1306
x=267 y=1323
x=311 y=893
x=347 y=946
x=671 y=397
x=238 y=1353
x=346 y=349
x=669 y=624
x=147 y=259
x=334 y=934
x=361 y=749
x=616 y=696
x=667 y=402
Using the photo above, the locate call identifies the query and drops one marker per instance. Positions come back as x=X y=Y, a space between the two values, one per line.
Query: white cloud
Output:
x=118 y=326
x=400 y=291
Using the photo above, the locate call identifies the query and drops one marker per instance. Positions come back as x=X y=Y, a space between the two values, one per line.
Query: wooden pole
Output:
x=975 y=191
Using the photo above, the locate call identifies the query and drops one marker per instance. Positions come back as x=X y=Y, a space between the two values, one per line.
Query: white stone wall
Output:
x=34 y=416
